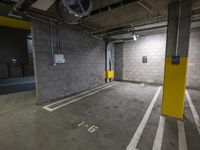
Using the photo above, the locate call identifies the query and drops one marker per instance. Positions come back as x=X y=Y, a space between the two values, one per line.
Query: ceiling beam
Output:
x=128 y=27
x=146 y=6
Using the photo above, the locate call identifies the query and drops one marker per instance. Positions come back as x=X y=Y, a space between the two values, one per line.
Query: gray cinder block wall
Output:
x=152 y=46
x=193 y=75
x=129 y=66
x=83 y=69
x=118 y=64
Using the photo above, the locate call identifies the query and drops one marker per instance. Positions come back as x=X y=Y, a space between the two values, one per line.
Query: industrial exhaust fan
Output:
x=71 y=11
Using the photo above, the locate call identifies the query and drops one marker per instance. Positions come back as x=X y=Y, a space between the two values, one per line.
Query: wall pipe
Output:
x=52 y=45
x=58 y=36
x=178 y=27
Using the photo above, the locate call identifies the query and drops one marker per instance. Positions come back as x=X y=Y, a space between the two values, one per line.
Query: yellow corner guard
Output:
x=14 y=23
x=109 y=74
x=174 y=88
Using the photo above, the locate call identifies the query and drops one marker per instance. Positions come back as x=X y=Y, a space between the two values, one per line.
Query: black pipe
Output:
x=110 y=65
x=106 y=68
x=22 y=6
x=112 y=30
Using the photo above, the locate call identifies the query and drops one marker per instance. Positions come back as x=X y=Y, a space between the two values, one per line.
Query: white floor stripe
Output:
x=159 y=135
x=77 y=99
x=77 y=95
x=194 y=112
x=134 y=141
x=181 y=136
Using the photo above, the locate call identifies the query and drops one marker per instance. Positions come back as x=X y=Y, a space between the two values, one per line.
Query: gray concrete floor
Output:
x=116 y=111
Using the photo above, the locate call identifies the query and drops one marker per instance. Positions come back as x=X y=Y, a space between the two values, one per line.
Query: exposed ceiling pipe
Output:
x=153 y=29
x=127 y=27
x=113 y=30
x=130 y=27
x=146 y=6
x=21 y=6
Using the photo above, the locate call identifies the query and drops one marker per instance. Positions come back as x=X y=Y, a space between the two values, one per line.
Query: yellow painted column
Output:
x=176 y=58
x=174 y=88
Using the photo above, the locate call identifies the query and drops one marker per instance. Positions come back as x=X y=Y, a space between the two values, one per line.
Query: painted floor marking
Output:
x=91 y=129
x=181 y=136
x=80 y=124
x=159 y=135
x=194 y=112
x=47 y=107
x=60 y=101
x=134 y=141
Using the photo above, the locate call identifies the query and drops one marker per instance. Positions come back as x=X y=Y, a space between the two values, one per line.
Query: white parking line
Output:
x=159 y=135
x=134 y=141
x=194 y=112
x=60 y=101
x=47 y=107
x=181 y=136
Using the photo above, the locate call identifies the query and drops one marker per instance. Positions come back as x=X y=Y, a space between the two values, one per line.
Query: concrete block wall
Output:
x=118 y=64
x=152 y=46
x=83 y=69
x=193 y=76
x=129 y=66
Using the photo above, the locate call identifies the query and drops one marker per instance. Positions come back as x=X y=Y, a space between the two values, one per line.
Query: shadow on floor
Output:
x=16 y=85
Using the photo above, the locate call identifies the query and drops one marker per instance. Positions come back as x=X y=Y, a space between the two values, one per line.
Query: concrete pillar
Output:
x=109 y=64
x=179 y=18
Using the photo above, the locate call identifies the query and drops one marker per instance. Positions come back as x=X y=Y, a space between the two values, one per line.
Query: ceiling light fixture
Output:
x=135 y=37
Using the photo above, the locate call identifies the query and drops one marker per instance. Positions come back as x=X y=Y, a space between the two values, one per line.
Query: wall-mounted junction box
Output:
x=175 y=60
x=144 y=59
x=59 y=58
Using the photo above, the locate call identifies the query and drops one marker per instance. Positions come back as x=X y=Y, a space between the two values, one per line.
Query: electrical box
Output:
x=175 y=60
x=59 y=58
x=144 y=59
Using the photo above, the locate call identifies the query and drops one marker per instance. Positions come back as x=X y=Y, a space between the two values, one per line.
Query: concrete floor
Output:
x=115 y=114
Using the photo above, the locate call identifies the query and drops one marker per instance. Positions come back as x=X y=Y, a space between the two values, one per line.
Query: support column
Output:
x=109 y=65
x=179 y=18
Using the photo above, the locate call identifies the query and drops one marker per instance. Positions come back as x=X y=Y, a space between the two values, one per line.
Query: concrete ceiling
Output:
x=128 y=14
x=131 y=14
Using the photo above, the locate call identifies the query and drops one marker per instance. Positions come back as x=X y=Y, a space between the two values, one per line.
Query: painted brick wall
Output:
x=84 y=66
x=129 y=64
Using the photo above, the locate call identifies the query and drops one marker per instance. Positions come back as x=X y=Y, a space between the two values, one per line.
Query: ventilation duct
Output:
x=73 y=10
x=21 y=6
